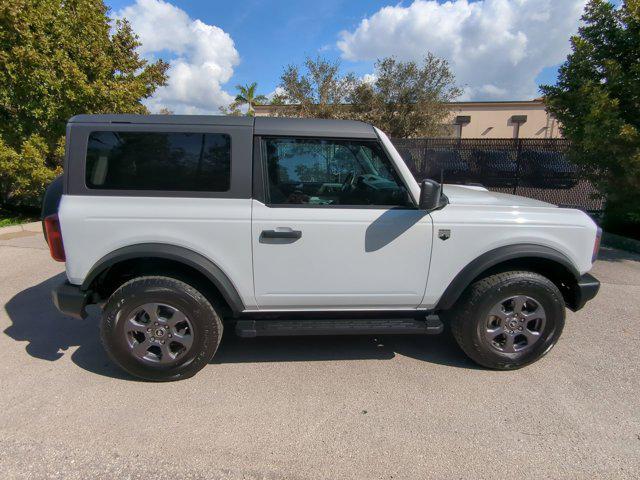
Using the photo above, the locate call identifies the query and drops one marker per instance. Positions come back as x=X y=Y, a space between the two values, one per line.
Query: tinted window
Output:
x=159 y=161
x=331 y=172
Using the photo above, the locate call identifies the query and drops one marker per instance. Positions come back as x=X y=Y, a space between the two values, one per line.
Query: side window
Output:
x=331 y=172
x=159 y=161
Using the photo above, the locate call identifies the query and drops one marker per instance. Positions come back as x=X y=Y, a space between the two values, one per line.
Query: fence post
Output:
x=518 y=169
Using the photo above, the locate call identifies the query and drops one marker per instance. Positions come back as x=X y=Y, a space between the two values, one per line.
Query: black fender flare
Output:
x=494 y=257
x=178 y=254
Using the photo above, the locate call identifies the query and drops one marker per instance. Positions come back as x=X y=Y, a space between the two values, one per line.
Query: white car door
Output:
x=337 y=229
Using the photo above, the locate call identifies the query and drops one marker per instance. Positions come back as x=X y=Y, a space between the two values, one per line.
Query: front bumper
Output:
x=70 y=300
x=586 y=288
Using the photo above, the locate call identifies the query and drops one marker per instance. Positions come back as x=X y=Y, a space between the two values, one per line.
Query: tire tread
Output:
x=465 y=309
x=146 y=283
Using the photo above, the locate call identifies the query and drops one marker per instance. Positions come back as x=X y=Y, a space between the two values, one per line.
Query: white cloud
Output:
x=203 y=56
x=369 y=78
x=278 y=91
x=496 y=48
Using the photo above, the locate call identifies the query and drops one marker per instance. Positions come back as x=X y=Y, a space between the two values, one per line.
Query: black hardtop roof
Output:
x=261 y=125
x=163 y=119
x=313 y=127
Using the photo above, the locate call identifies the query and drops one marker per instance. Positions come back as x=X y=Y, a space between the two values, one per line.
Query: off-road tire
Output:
x=468 y=317
x=205 y=322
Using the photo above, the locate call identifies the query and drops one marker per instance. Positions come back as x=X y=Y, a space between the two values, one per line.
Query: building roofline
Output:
x=535 y=102
x=502 y=103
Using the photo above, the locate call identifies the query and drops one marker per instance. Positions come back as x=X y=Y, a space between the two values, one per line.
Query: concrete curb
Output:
x=23 y=227
x=620 y=242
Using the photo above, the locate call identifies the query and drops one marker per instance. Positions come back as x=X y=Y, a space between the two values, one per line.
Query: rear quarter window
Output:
x=158 y=161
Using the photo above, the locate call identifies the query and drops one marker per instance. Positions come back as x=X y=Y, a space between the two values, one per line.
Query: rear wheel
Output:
x=160 y=329
x=508 y=320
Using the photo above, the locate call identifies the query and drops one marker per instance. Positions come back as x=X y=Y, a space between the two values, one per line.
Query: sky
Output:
x=498 y=49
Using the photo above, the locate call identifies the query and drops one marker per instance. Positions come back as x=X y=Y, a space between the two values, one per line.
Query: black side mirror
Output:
x=430 y=195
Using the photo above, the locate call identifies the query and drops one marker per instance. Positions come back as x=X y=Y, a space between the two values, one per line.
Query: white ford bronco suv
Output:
x=180 y=226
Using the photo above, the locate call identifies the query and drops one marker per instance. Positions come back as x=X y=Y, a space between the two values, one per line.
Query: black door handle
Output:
x=291 y=234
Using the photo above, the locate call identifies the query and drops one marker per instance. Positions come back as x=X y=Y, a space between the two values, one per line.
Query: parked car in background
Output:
x=542 y=169
x=496 y=168
x=449 y=164
x=183 y=227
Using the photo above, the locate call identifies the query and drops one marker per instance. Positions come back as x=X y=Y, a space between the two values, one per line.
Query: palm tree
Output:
x=248 y=96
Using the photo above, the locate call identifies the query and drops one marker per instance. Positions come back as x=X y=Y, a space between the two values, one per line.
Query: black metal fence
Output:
x=535 y=168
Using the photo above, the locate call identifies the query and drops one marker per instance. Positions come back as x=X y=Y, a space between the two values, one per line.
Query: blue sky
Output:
x=499 y=49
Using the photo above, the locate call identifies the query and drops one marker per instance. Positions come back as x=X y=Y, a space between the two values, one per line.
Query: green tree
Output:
x=23 y=173
x=316 y=90
x=247 y=96
x=597 y=101
x=405 y=99
x=59 y=58
x=233 y=110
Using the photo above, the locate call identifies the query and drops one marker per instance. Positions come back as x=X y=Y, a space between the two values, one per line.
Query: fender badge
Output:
x=444 y=234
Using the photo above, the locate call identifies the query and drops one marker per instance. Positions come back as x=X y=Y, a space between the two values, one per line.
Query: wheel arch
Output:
x=537 y=258
x=173 y=256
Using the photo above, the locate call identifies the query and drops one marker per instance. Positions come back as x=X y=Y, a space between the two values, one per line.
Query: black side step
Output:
x=430 y=325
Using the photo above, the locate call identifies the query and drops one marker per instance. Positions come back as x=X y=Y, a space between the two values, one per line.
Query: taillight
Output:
x=54 y=237
x=596 y=245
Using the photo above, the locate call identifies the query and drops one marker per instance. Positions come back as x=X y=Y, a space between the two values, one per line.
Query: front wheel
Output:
x=508 y=320
x=160 y=329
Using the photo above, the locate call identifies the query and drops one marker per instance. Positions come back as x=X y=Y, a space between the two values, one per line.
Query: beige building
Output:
x=515 y=119
x=512 y=119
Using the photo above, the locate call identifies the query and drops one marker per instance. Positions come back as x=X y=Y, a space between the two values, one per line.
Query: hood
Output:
x=471 y=195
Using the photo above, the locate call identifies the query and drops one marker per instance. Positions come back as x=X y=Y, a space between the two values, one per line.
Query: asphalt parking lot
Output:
x=316 y=408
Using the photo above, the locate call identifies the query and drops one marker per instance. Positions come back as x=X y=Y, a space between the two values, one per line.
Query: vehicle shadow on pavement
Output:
x=50 y=334
x=440 y=349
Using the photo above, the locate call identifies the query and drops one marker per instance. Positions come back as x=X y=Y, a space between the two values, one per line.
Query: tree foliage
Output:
x=405 y=99
x=233 y=110
x=23 y=172
x=597 y=101
x=316 y=90
x=59 y=58
x=247 y=96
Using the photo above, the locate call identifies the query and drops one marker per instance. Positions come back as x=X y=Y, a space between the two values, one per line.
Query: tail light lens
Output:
x=596 y=245
x=54 y=237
